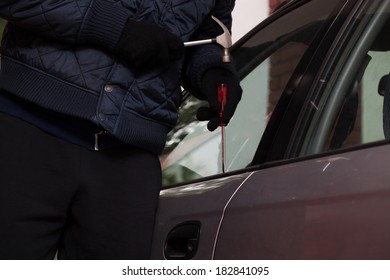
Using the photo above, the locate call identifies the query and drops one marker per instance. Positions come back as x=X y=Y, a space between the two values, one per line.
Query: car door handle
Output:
x=182 y=241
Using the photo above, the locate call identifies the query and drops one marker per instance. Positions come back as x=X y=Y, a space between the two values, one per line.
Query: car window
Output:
x=352 y=98
x=266 y=60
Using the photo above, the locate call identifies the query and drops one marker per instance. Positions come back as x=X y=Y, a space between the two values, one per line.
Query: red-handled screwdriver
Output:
x=222 y=95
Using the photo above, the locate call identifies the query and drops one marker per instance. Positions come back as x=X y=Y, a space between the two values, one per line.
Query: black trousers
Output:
x=58 y=196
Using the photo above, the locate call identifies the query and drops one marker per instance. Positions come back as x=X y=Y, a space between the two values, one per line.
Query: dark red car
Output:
x=307 y=159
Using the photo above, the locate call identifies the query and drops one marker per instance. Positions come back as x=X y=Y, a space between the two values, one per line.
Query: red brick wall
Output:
x=283 y=63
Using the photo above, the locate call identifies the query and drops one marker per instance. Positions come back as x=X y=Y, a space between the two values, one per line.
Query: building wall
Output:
x=273 y=4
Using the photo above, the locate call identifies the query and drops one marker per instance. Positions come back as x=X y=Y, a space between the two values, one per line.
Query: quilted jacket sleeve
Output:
x=75 y=22
x=202 y=58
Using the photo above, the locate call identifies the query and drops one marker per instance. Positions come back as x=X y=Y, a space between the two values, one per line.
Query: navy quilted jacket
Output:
x=59 y=55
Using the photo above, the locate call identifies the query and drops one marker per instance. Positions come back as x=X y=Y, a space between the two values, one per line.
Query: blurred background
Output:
x=247 y=14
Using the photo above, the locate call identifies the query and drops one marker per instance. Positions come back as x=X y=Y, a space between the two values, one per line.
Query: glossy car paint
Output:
x=323 y=208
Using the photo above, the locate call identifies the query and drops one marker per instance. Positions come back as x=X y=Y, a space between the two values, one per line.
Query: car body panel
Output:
x=323 y=208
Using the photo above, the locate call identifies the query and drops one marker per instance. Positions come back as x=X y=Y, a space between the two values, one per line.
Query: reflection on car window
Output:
x=266 y=62
x=352 y=107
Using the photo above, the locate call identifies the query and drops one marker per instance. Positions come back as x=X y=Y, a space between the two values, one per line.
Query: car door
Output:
x=274 y=62
x=331 y=200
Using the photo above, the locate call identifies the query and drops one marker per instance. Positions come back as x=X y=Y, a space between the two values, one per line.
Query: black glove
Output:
x=209 y=89
x=144 y=45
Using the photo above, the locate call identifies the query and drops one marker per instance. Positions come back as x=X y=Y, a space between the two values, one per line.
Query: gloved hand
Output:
x=144 y=45
x=209 y=89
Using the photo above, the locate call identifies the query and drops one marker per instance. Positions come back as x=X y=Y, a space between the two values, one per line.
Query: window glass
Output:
x=266 y=61
x=351 y=110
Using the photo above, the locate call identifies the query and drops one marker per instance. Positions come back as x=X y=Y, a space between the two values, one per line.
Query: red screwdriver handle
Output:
x=222 y=95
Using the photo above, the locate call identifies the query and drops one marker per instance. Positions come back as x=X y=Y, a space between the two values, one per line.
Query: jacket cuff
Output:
x=104 y=24
x=205 y=58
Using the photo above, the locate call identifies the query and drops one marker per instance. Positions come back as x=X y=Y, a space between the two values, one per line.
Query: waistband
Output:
x=68 y=128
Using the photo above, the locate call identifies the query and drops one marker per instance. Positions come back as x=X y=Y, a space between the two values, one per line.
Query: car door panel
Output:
x=200 y=203
x=323 y=208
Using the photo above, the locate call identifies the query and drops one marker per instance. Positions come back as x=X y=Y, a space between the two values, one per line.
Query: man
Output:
x=89 y=91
